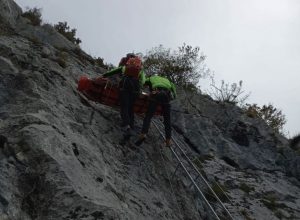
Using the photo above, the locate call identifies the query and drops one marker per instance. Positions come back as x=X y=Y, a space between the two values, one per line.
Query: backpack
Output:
x=124 y=60
x=133 y=67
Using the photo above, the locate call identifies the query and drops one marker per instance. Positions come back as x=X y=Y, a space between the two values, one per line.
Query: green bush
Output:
x=100 y=63
x=271 y=115
x=197 y=163
x=34 y=15
x=61 y=59
x=61 y=62
x=184 y=66
x=83 y=57
x=220 y=191
x=228 y=93
x=270 y=201
x=64 y=29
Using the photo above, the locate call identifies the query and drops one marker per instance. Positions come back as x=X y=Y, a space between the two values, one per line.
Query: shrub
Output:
x=61 y=59
x=228 y=93
x=220 y=191
x=34 y=15
x=86 y=58
x=83 y=57
x=197 y=163
x=184 y=66
x=270 y=201
x=64 y=29
x=100 y=62
x=204 y=157
x=271 y=115
x=61 y=62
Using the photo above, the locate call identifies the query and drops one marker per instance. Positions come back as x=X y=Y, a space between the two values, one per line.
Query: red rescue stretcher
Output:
x=103 y=91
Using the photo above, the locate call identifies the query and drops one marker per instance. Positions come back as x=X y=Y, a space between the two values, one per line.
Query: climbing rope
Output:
x=164 y=163
x=170 y=182
x=188 y=174
x=213 y=193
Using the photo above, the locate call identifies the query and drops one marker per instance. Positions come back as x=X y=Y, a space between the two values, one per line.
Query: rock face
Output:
x=9 y=12
x=60 y=157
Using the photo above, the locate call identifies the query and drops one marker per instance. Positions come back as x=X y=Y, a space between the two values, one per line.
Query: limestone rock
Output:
x=60 y=157
x=10 y=12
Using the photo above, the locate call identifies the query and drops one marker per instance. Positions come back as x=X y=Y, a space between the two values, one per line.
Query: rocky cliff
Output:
x=60 y=157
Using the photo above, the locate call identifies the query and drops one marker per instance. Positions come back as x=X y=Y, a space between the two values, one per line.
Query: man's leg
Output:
x=149 y=114
x=167 y=119
x=146 y=123
x=124 y=111
x=124 y=102
x=166 y=108
x=132 y=99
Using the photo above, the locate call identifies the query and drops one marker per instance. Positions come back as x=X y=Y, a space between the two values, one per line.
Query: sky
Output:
x=257 y=41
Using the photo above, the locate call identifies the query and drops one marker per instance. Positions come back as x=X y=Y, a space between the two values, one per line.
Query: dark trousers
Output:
x=129 y=90
x=161 y=98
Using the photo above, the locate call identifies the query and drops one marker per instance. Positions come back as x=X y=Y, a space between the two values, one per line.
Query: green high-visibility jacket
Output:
x=161 y=82
x=121 y=70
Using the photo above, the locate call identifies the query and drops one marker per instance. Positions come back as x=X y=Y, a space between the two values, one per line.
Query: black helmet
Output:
x=130 y=55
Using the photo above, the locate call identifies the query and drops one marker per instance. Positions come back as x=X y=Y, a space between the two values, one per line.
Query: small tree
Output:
x=271 y=115
x=100 y=62
x=228 y=93
x=34 y=15
x=184 y=66
x=65 y=30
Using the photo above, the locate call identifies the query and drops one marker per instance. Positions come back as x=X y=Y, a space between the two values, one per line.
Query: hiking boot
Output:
x=141 y=140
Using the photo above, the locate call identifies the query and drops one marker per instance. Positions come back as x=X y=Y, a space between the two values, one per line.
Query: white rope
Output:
x=171 y=185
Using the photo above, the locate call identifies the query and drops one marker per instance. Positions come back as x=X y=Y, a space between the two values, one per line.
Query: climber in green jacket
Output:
x=121 y=70
x=133 y=79
x=162 y=91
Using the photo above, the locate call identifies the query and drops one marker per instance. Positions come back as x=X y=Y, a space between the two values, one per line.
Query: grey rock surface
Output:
x=45 y=34
x=60 y=157
x=10 y=12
